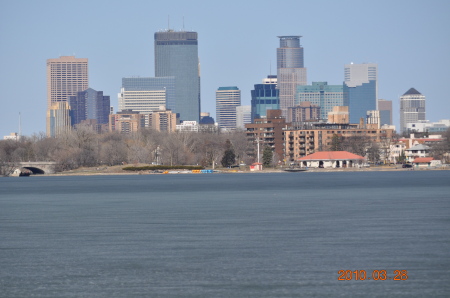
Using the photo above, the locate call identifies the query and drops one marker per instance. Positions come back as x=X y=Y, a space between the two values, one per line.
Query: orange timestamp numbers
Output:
x=374 y=275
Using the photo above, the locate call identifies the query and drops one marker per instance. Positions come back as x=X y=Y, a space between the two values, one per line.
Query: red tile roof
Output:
x=423 y=160
x=332 y=155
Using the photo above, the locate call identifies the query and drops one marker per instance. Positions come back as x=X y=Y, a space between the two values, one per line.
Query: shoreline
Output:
x=117 y=170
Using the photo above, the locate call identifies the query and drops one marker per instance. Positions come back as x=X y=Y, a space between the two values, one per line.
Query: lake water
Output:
x=225 y=235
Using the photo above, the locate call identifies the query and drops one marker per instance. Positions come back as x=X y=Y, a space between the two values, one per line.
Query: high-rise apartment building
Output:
x=66 y=76
x=304 y=112
x=412 y=108
x=227 y=99
x=89 y=105
x=320 y=94
x=360 y=89
x=265 y=97
x=176 y=55
x=290 y=70
x=128 y=121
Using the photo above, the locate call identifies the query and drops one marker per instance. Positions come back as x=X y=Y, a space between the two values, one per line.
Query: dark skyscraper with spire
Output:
x=176 y=55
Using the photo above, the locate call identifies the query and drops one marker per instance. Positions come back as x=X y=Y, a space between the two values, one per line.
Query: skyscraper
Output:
x=66 y=76
x=265 y=97
x=90 y=105
x=227 y=99
x=412 y=108
x=290 y=70
x=320 y=94
x=176 y=55
x=385 y=108
x=360 y=89
x=58 y=119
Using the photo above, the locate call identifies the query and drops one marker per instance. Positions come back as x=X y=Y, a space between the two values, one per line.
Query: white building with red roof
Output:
x=332 y=159
x=426 y=162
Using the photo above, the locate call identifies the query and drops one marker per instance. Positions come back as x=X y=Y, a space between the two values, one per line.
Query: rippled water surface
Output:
x=225 y=235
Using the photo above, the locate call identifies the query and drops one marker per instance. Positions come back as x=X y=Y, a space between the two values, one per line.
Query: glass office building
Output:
x=359 y=100
x=264 y=97
x=360 y=89
x=89 y=105
x=176 y=55
x=321 y=94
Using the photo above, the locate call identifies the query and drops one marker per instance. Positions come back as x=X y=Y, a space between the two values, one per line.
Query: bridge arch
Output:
x=39 y=167
x=35 y=170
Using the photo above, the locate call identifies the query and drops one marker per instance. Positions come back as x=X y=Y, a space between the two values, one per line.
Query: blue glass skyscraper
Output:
x=359 y=100
x=360 y=89
x=176 y=55
x=265 y=97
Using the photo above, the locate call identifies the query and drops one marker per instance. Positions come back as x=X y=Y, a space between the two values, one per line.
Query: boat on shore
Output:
x=295 y=169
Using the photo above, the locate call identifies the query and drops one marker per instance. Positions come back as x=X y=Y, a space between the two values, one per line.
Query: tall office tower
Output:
x=227 y=99
x=360 y=89
x=265 y=97
x=290 y=70
x=243 y=116
x=385 y=108
x=66 y=76
x=89 y=105
x=412 y=108
x=320 y=94
x=58 y=119
x=176 y=55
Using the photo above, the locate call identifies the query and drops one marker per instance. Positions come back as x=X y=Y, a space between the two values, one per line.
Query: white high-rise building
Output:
x=142 y=101
x=412 y=108
x=227 y=99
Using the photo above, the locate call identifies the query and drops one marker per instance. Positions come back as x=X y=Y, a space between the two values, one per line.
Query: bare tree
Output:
x=356 y=144
x=113 y=149
x=8 y=160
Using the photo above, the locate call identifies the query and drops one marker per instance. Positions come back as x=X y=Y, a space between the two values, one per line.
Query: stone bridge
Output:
x=39 y=167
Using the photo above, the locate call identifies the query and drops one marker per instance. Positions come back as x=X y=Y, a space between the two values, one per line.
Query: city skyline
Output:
x=238 y=52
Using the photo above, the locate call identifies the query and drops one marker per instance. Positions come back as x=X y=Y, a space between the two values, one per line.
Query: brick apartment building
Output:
x=268 y=132
x=301 y=142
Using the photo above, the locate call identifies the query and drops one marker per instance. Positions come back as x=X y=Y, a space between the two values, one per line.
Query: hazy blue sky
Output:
x=410 y=41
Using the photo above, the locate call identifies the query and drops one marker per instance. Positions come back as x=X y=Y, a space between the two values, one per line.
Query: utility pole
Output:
x=257 y=146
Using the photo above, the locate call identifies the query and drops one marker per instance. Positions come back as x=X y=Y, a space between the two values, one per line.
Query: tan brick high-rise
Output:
x=66 y=76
